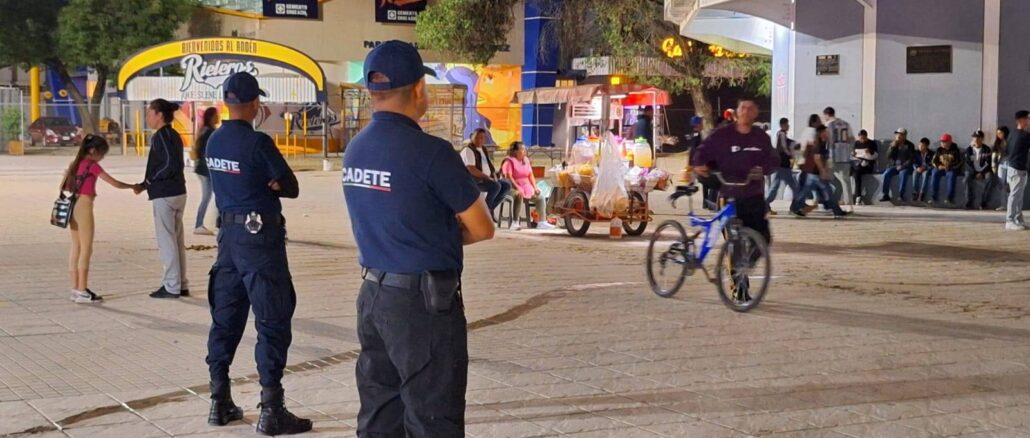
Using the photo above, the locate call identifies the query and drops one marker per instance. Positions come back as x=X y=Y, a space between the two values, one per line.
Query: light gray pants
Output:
x=170 y=242
x=1017 y=186
x=843 y=183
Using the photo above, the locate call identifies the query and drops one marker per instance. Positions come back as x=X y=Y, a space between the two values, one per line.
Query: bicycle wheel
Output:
x=668 y=259
x=743 y=270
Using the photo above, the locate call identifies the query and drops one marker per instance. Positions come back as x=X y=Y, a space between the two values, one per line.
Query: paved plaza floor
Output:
x=897 y=322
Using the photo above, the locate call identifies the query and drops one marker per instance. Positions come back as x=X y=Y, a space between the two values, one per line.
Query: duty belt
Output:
x=252 y=222
x=399 y=281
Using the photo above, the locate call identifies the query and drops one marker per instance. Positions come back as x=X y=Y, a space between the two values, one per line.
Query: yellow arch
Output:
x=244 y=47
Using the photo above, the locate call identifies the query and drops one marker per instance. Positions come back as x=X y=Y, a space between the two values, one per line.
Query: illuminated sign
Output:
x=671 y=48
x=207 y=62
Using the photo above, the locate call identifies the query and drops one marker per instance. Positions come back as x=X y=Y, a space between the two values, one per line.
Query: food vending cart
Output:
x=600 y=154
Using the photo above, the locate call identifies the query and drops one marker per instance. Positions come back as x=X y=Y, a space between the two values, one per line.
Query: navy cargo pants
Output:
x=251 y=272
x=413 y=367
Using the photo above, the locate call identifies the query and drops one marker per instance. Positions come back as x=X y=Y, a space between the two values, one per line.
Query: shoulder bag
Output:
x=64 y=206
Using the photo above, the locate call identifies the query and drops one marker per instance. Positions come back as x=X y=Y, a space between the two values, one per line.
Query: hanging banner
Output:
x=291 y=9
x=194 y=70
x=398 y=11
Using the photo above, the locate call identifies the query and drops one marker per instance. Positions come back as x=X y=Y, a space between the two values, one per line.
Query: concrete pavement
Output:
x=897 y=322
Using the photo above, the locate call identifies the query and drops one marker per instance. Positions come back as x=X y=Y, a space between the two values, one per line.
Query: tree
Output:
x=470 y=30
x=98 y=34
x=625 y=30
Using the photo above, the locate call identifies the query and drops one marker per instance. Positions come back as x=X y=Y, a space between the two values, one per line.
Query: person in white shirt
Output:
x=841 y=150
x=477 y=160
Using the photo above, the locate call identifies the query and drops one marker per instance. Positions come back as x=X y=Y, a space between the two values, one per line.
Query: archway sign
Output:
x=195 y=69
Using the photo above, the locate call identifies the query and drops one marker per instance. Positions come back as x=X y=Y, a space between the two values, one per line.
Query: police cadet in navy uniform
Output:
x=249 y=176
x=412 y=206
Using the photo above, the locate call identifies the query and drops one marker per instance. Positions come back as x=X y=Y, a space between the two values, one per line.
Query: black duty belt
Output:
x=399 y=281
x=241 y=219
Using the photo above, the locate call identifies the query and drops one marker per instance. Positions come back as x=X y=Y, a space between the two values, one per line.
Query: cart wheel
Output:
x=577 y=207
x=637 y=209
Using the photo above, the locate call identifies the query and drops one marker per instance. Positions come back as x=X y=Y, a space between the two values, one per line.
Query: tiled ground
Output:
x=897 y=322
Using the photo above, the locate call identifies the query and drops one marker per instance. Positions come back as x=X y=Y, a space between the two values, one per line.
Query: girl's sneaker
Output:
x=94 y=295
x=84 y=297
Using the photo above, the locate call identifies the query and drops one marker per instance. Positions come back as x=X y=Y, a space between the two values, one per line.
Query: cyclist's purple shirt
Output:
x=734 y=154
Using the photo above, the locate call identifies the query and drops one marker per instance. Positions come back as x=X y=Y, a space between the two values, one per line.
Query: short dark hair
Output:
x=1022 y=114
x=830 y=111
x=924 y=140
x=863 y=133
x=784 y=120
x=476 y=132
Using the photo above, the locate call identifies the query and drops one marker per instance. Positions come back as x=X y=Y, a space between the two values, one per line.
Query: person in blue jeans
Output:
x=947 y=163
x=477 y=160
x=922 y=169
x=818 y=176
x=210 y=122
x=899 y=155
x=783 y=174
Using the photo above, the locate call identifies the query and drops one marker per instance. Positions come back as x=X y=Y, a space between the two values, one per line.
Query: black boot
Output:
x=223 y=410
x=275 y=419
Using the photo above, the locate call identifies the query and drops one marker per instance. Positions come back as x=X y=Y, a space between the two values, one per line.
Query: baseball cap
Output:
x=901 y=131
x=1022 y=114
x=399 y=61
x=978 y=133
x=241 y=87
x=945 y=137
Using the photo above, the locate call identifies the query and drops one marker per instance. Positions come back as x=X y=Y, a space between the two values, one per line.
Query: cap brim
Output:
x=429 y=71
x=262 y=93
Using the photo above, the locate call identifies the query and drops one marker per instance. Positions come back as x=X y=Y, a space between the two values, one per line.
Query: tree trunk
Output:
x=89 y=123
x=99 y=91
x=703 y=108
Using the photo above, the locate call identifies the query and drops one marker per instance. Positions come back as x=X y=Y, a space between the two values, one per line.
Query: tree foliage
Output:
x=99 y=34
x=625 y=30
x=468 y=30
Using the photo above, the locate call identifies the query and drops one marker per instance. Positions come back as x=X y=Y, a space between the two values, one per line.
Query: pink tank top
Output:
x=520 y=171
x=89 y=184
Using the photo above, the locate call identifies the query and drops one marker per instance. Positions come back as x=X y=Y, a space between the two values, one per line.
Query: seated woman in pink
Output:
x=518 y=169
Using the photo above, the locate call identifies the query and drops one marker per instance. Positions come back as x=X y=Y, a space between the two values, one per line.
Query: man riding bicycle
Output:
x=741 y=152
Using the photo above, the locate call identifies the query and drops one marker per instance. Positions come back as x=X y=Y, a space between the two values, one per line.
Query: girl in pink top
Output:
x=81 y=179
x=518 y=169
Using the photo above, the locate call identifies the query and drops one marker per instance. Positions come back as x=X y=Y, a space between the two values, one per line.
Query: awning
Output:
x=634 y=94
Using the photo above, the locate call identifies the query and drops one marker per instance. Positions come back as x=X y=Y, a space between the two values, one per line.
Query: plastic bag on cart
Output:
x=609 y=186
x=635 y=177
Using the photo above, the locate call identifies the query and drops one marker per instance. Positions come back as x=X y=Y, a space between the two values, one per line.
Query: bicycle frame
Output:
x=712 y=228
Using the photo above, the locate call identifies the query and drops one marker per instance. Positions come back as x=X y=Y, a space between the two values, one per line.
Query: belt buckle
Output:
x=253 y=224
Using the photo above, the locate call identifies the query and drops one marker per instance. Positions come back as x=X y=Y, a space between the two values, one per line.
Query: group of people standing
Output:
x=827 y=154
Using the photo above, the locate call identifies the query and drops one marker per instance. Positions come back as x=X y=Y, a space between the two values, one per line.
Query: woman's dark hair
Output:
x=820 y=128
x=514 y=148
x=165 y=108
x=814 y=120
x=210 y=117
x=999 y=142
x=89 y=143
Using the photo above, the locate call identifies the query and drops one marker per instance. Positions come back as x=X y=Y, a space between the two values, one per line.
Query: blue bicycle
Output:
x=742 y=271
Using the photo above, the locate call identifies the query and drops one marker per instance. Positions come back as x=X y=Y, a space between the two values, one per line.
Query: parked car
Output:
x=54 y=131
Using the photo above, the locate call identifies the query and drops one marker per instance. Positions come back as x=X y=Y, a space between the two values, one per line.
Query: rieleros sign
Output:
x=198 y=68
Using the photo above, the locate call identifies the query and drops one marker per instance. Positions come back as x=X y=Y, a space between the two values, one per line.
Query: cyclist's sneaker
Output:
x=809 y=208
x=797 y=213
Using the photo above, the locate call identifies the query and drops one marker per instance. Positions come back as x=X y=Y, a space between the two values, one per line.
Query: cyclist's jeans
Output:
x=752 y=213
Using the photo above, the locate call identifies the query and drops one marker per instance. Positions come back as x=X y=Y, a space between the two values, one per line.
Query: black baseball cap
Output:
x=1022 y=114
x=240 y=88
x=978 y=134
x=399 y=62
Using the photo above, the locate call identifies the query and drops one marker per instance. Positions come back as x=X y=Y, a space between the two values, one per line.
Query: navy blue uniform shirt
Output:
x=403 y=189
x=242 y=162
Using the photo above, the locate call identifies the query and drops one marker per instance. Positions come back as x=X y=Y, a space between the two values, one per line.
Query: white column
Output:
x=991 y=53
x=869 y=71
x=782 y=81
